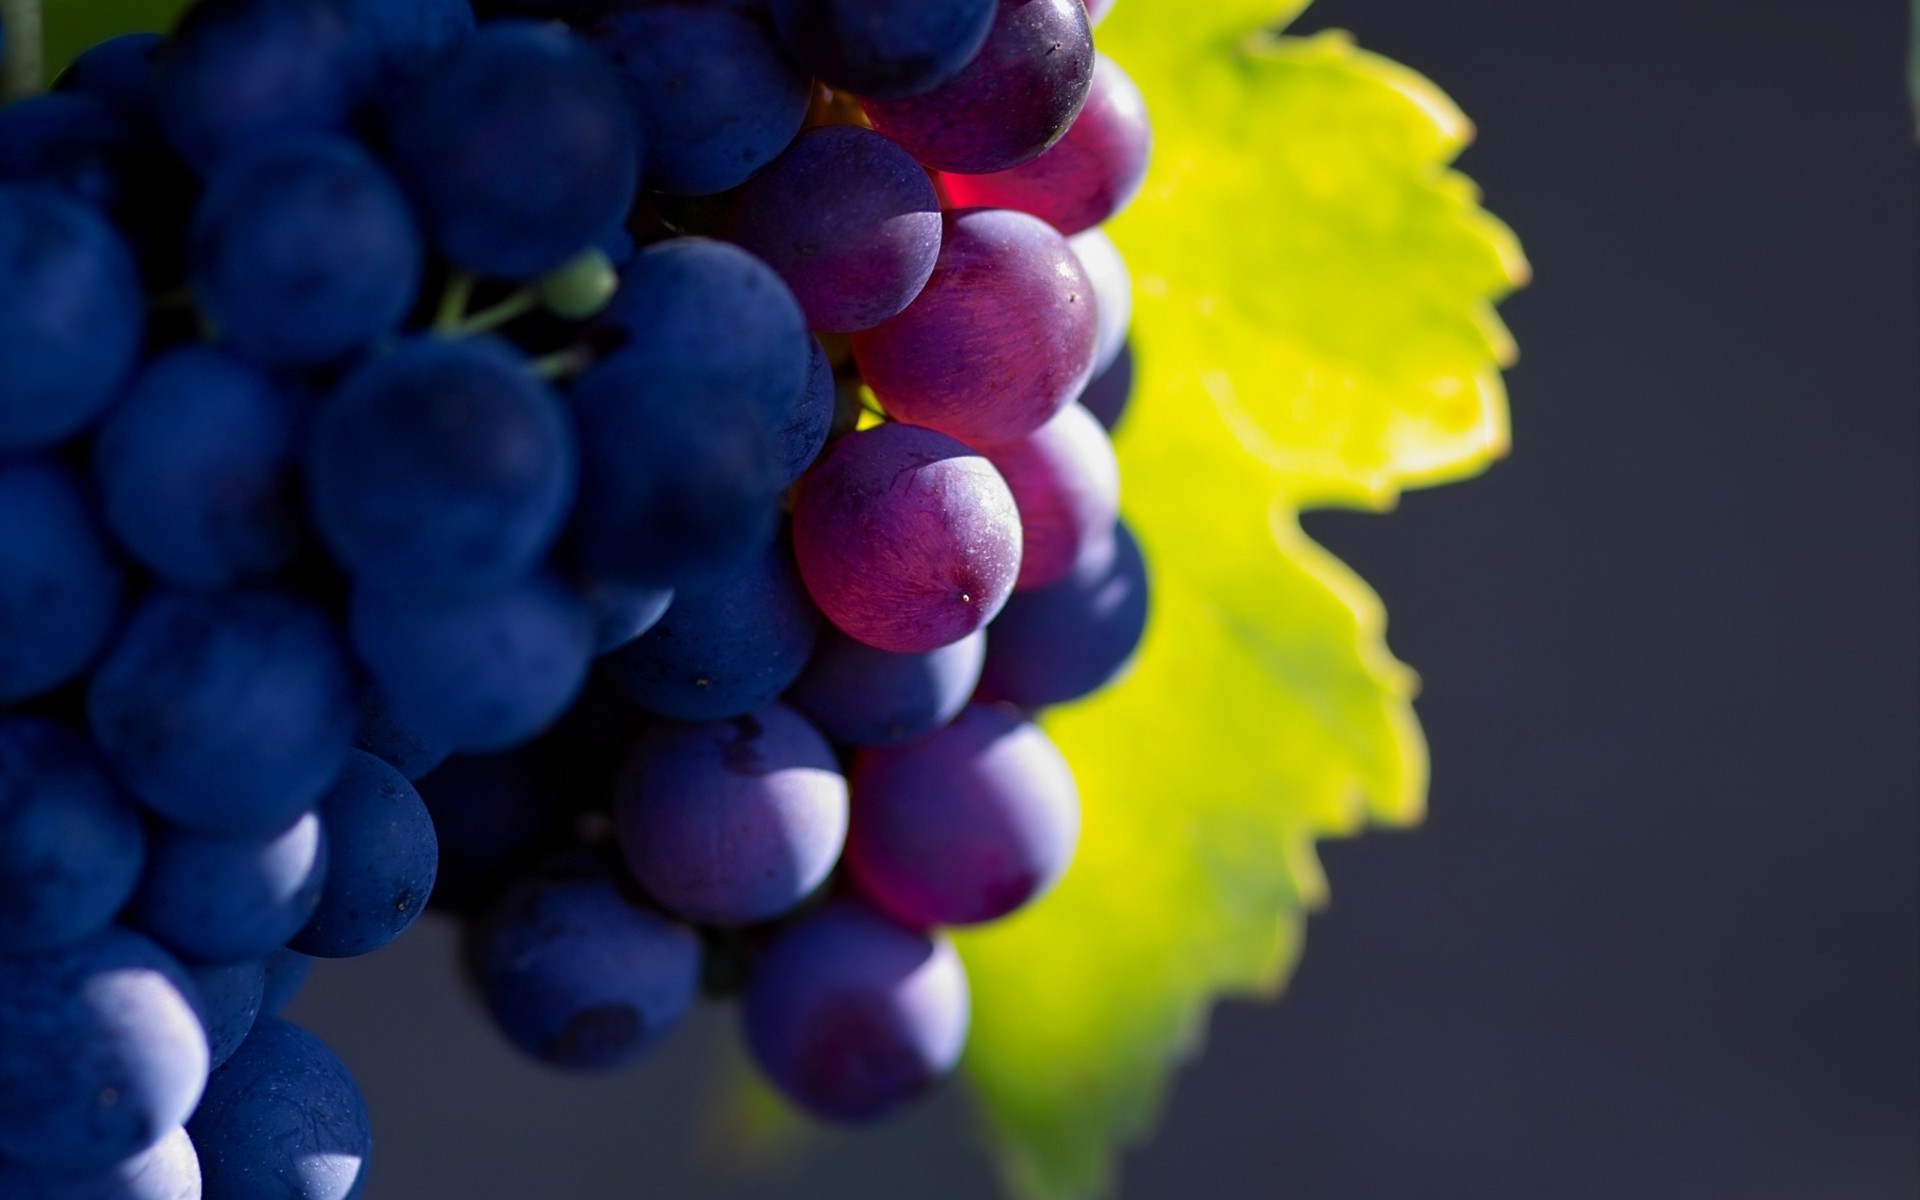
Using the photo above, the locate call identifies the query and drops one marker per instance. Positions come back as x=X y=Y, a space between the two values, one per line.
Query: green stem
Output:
x=487 y=319
x=564 y=364
x=453 y=303
x=22 y=74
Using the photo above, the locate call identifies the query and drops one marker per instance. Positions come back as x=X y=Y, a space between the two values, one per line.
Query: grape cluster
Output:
x=627 y=470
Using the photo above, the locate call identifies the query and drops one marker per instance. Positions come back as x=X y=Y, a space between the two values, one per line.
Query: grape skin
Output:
x=218 y=899
x=383 y=858
x=60 y=589
x=283 y=1115
x=167 y=1170
x=1066 y=482
x=1060 y=643
x=886 y=49
x=860 y=696
x=230 y=997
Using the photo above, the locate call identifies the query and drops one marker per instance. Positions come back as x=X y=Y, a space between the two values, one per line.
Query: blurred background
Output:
x=1661 y=935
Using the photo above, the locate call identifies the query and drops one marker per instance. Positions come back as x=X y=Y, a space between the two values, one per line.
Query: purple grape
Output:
x=860 y=696
x=1084 y=178
x=1112 y=293
x=1108 y=392
x=1000 y=339
x=1014 y=99
x=964 y=825
x=853 y=1017
x=888 y=48
x=1059 y=643
x=849 y=220
x=1097 y=10
x=1066 y=482
x=103 y=1055
x=907 y=540
x=580 y=976
x=732 y=822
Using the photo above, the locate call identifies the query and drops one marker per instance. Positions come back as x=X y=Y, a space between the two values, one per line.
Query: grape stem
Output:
x=564 y=364
x=22 y=74
x=453 y=319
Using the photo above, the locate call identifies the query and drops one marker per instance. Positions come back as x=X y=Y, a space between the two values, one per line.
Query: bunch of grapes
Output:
x=624 y=472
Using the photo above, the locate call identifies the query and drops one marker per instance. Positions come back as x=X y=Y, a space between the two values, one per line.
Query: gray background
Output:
x=1661 y=937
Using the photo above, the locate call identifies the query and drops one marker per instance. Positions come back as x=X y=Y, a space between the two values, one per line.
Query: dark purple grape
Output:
x=849 y=220
x=1112 y=293
x=1108 y=392
x=860 y=696
x=884 y=48
x=853 y=1017
x=1066 y=482
x=964 y=825
x=218 y=899
x=1000 y=339
x=1097 y=10
x=283 y=1118
x=732 y=822
x=906 y=539
x=1084 y=178
x=1059 y=643
x=493 y=815
x=383 y=857
x=1015 y=98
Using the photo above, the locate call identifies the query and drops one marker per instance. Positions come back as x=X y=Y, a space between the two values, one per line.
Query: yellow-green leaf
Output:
x=73 y=25
x=1314 y=324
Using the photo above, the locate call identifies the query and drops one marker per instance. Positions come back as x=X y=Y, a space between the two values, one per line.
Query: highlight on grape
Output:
x=621 y=473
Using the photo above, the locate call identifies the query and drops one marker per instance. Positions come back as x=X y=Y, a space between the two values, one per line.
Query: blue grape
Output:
x=404 y=36
x=282 y=1120
x=104 y=1053
x=710 y=84
x=59 y=586
x=852 y=1016
x=76 y=143
x=849 y=220
x=71 y=846
x=443 y=468
x=1012 y=100
x=1112 y=294
x=406 y=749
x=732 y=822
x=519 y=147
x=226 y=713
x=286 y=974
x=242 y=74
x=622 y=613
x=965 y=825
x=167 y=1170
x=804 y=437
x=1108 y=392
x=860 y=696
x=887 y=49
x=493 y=815
x=726 y=647
x=304 y=252
x=485 y=674
x=230 y=998
x=578 y=975
x=196 y=470
x=218 y=899
x=119 y=71
x=383 y=857
x=1059 y=643
x=72 y=316
x=679 y=482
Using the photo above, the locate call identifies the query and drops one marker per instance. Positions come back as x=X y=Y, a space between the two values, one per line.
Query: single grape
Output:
x=860 y=696
x=802 y=439
x=282 y=1119
x=1108 y=392
x=442 y=469
x=167 y=1170
x=486 y=674
x=732 y=822
x=243 y=74
x=578 y=975
x=519 y=148
x=965 y=825
x=726 y=647
x=1000 y=339
x=493 y=815
x=406 y=749
x=1059 y=643
x=1112 y=293
x=907 y=540
x=1087 y=176
x=104 y=1053
x=71 y=846
x=59 y=586
x=230 y=998
x=226 y=713
x=72 y=316
x=119 y=71
x=197 y=473
x=711 y=86
x=1011 y=101
x=220 y=899
x=304 y=252
x=405 y=36
x=286 y=974
x=1066 y=482
x=852 y=1016
x=622 y=614
x=383 y=856
x=849 y=220
x=884 y=48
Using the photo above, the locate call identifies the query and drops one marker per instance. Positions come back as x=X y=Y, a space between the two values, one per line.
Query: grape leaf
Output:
x=1314 y=324
x=73 y=25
